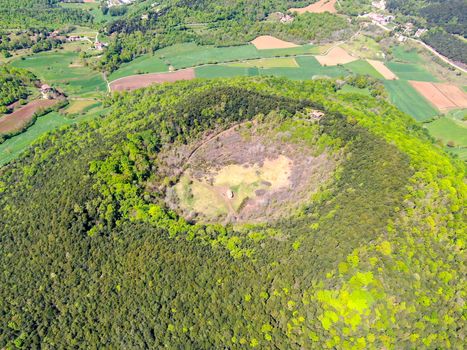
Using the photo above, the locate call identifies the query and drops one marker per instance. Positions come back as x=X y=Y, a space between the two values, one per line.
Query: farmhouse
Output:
x=99 y=45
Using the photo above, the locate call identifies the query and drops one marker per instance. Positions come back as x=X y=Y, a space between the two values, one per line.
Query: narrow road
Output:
x=445 y=59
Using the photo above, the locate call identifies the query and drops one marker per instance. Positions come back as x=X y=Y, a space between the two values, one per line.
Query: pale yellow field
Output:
x=77 y=106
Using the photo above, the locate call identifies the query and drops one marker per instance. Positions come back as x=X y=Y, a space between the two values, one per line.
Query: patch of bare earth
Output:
x=143 y=80
x=19 y=118
x=244 y=175
x=382 y=69
x=442 y=95
x=335 y=56
x=265 y=42
x=318 y=7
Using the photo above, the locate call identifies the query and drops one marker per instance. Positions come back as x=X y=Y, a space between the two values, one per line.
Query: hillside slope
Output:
x=92 y=256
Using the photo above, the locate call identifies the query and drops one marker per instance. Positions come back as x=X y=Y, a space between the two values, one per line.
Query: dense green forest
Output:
x=14 y=84
x=450 y=15
x=447 y=44
x=16 y=14
x=92 y=257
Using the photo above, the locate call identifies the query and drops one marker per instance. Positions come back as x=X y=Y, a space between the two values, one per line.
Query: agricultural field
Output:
x=60 y=69
x=408 y=100
x=410 y=72
x=284 y=62
x=141 y=65
x=190 y=55
x=223 y=71
x=17 y=120
x=449 y=131
x=81 y=106
x=13 y=147
x=364 y=68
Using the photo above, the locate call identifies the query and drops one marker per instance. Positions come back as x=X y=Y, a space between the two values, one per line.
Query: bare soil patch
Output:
x=19 y=118
x=246 y=174
x=442 y=95
x=454 y=93
x=335 y=56
x=318 y=7
x=265 y=42
x=143 y=80
x=383 y=70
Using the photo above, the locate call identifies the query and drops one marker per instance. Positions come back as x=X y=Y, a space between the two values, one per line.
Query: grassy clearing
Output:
x=364 y=68
x=287 y=62
x=141 y=65
x=406 y=54
x=449 y=130
x=222 y=71
x=364 y=47
x=408 y=100
x=59 y=69
x=410 y=72
x=354 y=90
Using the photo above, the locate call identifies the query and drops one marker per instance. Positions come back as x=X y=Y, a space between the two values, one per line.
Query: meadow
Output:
x=408 y=100
x=449 y=131
x=60 y=69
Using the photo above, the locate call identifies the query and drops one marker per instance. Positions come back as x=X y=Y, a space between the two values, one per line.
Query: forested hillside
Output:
x=14 y=84
x=16 y=14
x=220 y=23
x=445 y=19
x=93 y=257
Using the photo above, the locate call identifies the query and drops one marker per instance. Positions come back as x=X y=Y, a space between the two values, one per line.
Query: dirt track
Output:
x=143 y=80
x=16 y=120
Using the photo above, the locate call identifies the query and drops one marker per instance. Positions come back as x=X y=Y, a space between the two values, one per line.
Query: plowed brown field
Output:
x=139 y=81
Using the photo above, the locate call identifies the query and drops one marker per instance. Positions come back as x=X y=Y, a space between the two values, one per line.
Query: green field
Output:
x=143 y=64
x=354 y=90
x=410 y=72
x=364 y=68
x=408 y=100
x=55 y=69
x=449 y=130
x=406 y=55
x=287 y=62
x=190 y=55
x=13 y=147
x=222 y=71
